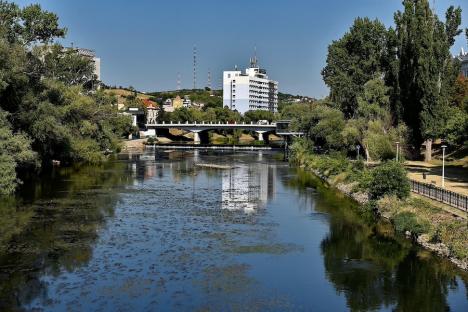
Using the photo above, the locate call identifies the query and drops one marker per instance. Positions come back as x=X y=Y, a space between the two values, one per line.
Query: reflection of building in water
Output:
x=248 y=188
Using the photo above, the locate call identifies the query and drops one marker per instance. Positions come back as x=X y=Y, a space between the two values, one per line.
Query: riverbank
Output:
x=422 y=221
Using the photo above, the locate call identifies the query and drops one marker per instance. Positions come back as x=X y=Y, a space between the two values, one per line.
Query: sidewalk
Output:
x=456 y=178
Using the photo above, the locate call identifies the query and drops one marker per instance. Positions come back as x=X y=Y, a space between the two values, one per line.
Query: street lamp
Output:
x=443 y=165
x=397 y=149
x=358 y=147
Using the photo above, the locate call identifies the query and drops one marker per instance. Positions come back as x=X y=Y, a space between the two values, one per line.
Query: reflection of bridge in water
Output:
x=280 y=128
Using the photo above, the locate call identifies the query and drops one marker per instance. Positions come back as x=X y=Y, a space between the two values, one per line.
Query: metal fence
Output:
x=439 y=194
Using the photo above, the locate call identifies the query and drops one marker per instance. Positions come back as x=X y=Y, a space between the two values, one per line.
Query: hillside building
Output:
x=252 y=90
x=95 y=60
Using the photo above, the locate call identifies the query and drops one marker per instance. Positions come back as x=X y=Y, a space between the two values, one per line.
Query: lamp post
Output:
x=443 y=165
x=397 y=149
x=358 y=147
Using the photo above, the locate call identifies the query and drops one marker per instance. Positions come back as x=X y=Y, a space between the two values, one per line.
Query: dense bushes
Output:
x=48 y=107
x=387 y=179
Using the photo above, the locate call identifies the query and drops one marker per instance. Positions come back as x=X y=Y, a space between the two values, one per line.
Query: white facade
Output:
x=187 y=102
x=463 y=57
x=96 y=60
x=251 y=90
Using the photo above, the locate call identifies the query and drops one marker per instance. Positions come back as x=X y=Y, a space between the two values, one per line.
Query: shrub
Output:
x=388 y=179
x=407 y=221
x=389 y=205
x=150 y=141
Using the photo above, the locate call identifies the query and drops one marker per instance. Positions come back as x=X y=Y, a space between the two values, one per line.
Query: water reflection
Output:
x=372 y=266
x=156 y=232
x=248 y=188
x=52 y=227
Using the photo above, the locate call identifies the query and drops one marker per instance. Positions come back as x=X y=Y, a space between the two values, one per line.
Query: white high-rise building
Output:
x=251 y=90
x=92 y=56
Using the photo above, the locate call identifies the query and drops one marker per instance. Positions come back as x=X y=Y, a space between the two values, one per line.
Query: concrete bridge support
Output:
x=260 y=135
x=196 y=136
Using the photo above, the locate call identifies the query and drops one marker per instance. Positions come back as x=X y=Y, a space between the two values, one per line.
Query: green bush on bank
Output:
x=390 y=178
x=408 y=221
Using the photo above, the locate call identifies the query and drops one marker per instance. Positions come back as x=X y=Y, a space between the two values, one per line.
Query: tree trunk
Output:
x=428 y=151
x=366 y=150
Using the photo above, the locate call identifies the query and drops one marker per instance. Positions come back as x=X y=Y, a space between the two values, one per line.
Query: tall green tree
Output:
x=425 y=68
x=353 y=60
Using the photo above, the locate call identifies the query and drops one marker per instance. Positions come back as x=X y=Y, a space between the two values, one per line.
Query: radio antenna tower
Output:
x=178 y=81
x=209 y=79
x=194 y=67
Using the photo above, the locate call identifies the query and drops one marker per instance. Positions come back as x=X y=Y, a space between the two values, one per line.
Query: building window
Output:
x=229 y=75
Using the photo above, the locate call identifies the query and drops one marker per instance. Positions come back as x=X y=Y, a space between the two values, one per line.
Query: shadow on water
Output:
x=373 y=266
x=51 y=226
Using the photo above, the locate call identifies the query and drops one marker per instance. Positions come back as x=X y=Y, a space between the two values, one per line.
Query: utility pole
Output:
x=443 y=165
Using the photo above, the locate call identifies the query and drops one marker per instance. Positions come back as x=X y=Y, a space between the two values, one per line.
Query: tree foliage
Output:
x=425 y=69
x=353 y=60
x=47 y=110
x=386 y=180
x=397 y=84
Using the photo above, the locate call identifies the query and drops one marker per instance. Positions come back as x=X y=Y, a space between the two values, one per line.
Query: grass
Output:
x=420 y=216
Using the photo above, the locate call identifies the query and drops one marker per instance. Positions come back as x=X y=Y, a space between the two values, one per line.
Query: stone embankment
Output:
x=423 y=240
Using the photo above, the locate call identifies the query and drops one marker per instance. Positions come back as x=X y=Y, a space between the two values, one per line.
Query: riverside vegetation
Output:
x=49 y=106
x=384 y=191
x=399 y=84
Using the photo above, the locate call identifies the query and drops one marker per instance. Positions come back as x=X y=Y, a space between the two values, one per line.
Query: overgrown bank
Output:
x=50 y=108
x=384 y=190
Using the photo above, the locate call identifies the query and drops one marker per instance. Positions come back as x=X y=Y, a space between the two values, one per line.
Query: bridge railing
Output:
x=431 y=191
x=214 y=123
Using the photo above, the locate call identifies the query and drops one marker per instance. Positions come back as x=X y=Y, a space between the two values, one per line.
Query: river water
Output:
x=154 y=232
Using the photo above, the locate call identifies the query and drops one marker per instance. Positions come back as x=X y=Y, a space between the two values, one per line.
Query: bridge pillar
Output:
x=260 y=135
x=196 y=136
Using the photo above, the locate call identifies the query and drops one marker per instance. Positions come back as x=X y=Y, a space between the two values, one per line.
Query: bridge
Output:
x=280 y=127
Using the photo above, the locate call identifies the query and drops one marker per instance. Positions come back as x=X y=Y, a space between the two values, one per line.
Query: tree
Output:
x=15 y=150
x=388 y=179
x=28 y=25
x=65 y=65
x=256 y=115
x=424 y=68
x=372 y=126
x=353 y=60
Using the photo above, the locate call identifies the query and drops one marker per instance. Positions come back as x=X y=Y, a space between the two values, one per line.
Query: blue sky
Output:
x=144 y=43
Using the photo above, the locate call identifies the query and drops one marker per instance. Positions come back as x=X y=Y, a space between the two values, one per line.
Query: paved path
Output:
x=456 y=178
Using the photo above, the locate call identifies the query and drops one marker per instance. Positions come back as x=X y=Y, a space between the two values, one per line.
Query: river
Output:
x=154 y=232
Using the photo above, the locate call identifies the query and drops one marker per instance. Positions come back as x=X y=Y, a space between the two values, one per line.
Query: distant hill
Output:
x=212 y=98
x=209 y=98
